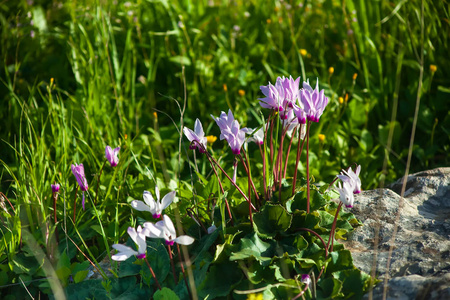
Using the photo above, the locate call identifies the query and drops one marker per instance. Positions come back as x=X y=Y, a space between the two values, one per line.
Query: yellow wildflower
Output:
x=211 y=139
x=433 y=68
x=155 y=115
x=331 y=70
x=355 y=76
x=241 y=92
x=303 y=52
x=225 y=88
x=255 y=297
x=321 y=137
x=346 y=98
x=126 y=136
x=341 y=100
x=269 y=21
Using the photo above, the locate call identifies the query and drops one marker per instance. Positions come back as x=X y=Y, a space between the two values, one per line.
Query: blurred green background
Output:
x=77 y=75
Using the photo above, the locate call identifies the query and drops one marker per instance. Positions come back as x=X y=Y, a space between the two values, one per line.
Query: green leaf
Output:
x=253 y=246
x=220 y=281
x=340 y=260
x=165 y=294
x=80 y=276
x=355 y=283
x=329 y=288
x=88 y=289
x=271 y=220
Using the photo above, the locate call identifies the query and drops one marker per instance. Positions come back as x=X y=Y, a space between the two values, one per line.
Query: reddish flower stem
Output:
x=288 y=151
x=308 y=188
x=264 y=172
x=153 y=274
x=172 y=264
x=184 y=274
x=299 y=151
x=333 y=228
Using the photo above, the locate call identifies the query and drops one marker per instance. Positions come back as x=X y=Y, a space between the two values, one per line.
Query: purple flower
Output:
x=282 y=95
x=352 y=178
x=152 y=206
x=111 y=155
x=165 y=229
x=125 y=252
x=274 y=96
x=314 y=101
x=55 y=188
x=230 y=130
x=78 y=172
x=197 y=135
x=300 y=113
x=306 y=279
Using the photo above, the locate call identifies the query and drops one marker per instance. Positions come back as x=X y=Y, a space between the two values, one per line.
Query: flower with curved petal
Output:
x=112 y=155
x=78 y=172
x=257 y=136
x=346 y=193
x=165 y=229
x=274 y=96
x=352 y=177
x=152 y=206
x=314 y=101
x=125 y=252
x=197 y=135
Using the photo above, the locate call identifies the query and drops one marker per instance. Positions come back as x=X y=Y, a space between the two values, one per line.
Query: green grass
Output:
x=77 y=76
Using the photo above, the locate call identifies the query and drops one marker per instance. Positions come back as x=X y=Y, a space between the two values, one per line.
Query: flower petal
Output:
x=184 y=240
x=139 y=205
x=167 y=199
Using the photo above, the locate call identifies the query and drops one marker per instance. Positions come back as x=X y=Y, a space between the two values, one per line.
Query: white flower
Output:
x=165 y=229
x=256 y=136
x=353 y=178
x=346 y=193
x=125 y=252
x=154 y=207
x=198 y=135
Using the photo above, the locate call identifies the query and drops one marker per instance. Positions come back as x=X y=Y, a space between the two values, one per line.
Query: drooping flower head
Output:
x=152 y=206
x=346 y=193
x=198 y=135
x=231 y=131
x=314 y=101
x=257 y=136
x=78 y=172
x=165 y=229
x=306 y=279
x=274 y=96
x=352 y=178
x=112 y=155
x=125 y=252
x=55 y=188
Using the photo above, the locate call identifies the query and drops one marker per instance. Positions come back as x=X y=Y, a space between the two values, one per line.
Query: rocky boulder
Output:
x=420 y=258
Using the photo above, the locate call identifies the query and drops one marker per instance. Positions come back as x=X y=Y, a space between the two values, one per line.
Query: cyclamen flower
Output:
x=55 y=188
x=154 y=207
x=165 y=229
x=78 y=172
x=314 y=101
x=291 y=90
x=346 y=193
x=274 y=96
x=352 y=177
x=306 y=279
x=197 y=135
x=257 y=136
x=111 y=155
x=230 y=130
x=125 y=252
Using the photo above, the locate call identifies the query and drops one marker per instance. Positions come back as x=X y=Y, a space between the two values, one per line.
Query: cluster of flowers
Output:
x=295 y=107
x=162 y=229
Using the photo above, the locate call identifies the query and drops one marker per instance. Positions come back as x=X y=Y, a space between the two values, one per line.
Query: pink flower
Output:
x=78 y=172
x=314 y=101
x=111 y=155
x=152 y=206
x=125 y=252
x=197 y=135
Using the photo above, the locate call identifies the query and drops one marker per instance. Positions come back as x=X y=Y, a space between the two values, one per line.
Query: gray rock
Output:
x=420 y=262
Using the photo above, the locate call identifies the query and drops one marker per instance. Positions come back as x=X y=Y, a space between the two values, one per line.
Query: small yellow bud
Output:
x=51 y=81
x=225 y=88
x=346 y=98
x=433 y=68
x=341 y=100
x=355 y=76
x=269 y=21
x=211 y=139
x=126 y=136
x=331 y=70
x=303 y=52
x=241 y=92
x=155 y=115
x=321 y=137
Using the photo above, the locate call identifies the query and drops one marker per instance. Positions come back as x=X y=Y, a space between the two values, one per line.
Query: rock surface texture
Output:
x=420 y=260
